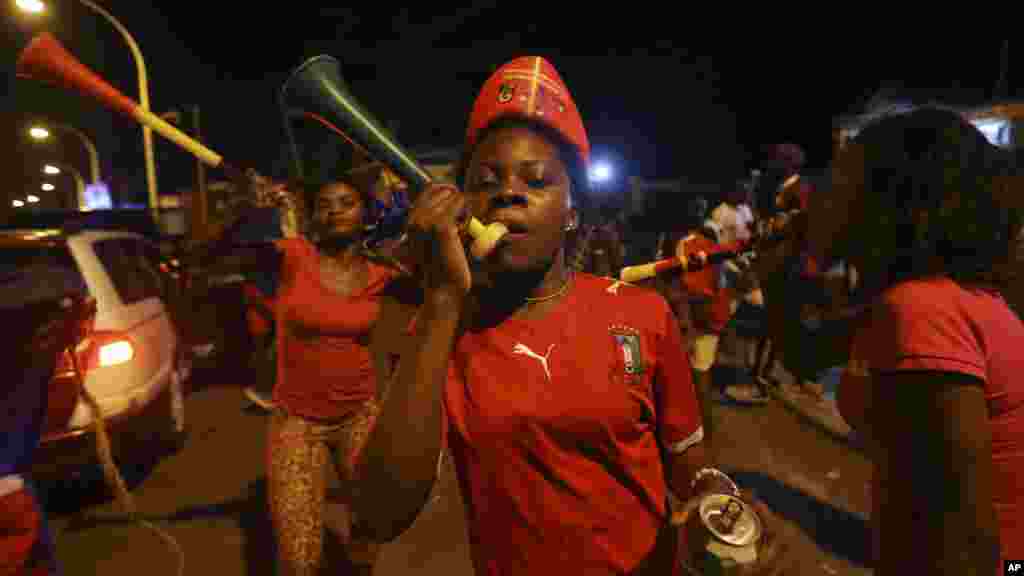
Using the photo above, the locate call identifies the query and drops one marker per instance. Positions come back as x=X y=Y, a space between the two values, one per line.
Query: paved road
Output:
x=211 y=497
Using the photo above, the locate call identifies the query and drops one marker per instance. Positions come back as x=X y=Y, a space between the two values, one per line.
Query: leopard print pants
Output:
x=298 y=452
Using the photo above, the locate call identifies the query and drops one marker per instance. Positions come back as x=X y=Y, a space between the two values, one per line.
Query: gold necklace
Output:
x=557 y=293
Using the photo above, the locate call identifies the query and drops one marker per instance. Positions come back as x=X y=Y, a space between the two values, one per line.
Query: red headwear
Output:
x=791 y=155
x=529 y=87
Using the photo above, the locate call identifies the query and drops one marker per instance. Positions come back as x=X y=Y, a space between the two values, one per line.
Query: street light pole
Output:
x=94 y=157
x=147 y=132
x=90 y=147
x=79 y=184
x=200 y=210
x=1004 y=65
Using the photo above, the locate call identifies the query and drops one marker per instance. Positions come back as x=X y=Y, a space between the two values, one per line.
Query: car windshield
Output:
x=33 y=273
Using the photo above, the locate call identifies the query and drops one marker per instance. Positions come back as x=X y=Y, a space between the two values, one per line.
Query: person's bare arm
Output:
x=390 y=337
x=256 y=213
x=400 y=458
x=946 y=418
x=680 y=429
x=399 y=463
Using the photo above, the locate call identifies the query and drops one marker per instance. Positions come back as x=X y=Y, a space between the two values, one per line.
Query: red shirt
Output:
x=937 y=325
x=554 y=428
x=703 y=283
x=327 y=373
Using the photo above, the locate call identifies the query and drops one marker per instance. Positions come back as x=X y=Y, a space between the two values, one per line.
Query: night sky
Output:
x=699 y=109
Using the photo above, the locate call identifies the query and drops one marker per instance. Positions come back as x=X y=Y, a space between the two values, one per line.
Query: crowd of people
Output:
x=575 y=407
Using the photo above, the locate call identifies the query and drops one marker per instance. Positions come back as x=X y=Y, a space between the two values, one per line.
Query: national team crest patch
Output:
x=628 y=342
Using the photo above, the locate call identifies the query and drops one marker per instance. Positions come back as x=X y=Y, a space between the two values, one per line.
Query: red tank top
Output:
x=324 y=367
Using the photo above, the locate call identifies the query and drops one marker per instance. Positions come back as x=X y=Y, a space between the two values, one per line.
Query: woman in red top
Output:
x=325 y=396
x=566 y=399
x=916 y=207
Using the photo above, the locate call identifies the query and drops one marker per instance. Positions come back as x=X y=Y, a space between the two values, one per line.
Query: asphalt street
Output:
x=211 y=496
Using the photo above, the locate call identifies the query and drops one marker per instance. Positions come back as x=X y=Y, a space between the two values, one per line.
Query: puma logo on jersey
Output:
x=522 y=349
x=614 y=287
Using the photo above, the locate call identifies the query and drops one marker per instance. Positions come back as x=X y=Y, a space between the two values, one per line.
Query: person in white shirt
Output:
x=733 y=220
x=726 y=221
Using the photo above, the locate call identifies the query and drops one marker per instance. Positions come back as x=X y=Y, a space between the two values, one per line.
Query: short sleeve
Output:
x=924 y=326
x=679 y=420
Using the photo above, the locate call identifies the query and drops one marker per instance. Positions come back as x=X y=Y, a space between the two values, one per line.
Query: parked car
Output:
x=133 y=362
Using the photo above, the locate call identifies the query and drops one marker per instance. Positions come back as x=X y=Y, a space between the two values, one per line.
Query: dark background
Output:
x=700 y=109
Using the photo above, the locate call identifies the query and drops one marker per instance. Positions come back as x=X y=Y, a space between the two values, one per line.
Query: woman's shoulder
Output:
x=940 y=295
x=399 y=288
x=922 y=323
x=608 y=296
x=387 y=280
x=295 y=247
x=912 y=302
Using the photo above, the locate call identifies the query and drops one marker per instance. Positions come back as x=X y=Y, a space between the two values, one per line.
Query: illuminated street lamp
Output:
x=78 y=197
x=42 y=133
x=47 y=187
x=17 y=203
x=601 y=172
x=30 y=6
x=32 y=198
x=36 y=6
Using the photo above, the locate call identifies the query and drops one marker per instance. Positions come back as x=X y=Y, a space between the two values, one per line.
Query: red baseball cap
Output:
x=529 y=87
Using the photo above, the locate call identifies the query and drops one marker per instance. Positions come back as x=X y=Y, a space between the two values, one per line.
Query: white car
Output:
x=134 y=364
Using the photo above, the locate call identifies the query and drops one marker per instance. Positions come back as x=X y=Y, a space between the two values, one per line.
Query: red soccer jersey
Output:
x=326 y=371
x=703 y=283
x=555 y=425
x=938 y=325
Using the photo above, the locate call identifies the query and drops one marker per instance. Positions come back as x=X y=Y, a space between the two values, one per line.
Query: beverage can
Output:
x=723 y=534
